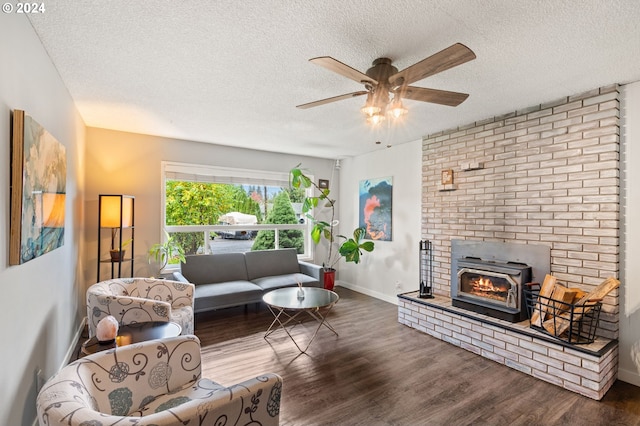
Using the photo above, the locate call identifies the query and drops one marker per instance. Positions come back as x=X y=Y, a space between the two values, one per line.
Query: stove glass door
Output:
x=491 y=287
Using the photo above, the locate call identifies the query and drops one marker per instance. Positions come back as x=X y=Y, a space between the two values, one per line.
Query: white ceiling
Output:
x=231 y=72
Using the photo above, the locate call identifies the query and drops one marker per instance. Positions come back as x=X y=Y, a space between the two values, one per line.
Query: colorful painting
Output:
x=375 y=208
x=38 y=190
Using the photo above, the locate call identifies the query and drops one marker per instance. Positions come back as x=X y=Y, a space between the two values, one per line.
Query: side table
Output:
x=133 y=333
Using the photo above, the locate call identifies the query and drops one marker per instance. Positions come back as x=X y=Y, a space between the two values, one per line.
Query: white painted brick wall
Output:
x=550 y=176
x=579 y=372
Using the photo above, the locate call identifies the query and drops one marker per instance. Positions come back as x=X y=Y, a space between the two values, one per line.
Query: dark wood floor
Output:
x=379 y=372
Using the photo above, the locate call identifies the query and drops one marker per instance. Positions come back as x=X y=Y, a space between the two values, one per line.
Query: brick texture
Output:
x=586 y=374
x=550 y=176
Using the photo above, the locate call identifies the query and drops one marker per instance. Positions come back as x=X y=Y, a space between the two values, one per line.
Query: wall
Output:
x=392 y=267
x=550 y=176
x=630 y=243
x=127 y=163
x=41 y=299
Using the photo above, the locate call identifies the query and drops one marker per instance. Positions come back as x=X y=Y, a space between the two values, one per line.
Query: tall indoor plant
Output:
x=350 y=249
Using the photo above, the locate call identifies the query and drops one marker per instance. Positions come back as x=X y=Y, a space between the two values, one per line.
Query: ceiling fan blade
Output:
x=333 y=99
x=442 y=97
x=343 y=69
x=448 y=58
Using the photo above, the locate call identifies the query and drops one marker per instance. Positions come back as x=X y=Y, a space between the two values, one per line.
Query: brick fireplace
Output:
x=547 y=175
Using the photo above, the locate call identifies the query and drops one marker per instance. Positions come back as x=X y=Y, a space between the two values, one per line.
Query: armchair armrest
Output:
x=253 y=401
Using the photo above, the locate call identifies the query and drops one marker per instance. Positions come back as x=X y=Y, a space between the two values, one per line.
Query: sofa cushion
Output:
x=286 y=280
x=214 y=268
x=222 y=295
x=268 y=263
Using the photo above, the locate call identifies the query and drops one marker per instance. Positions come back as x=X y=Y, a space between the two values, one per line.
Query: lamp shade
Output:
x=53 y=210
x=116 y=211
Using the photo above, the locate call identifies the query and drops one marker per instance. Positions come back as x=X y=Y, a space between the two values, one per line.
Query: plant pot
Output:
x=117 y=255
x=329 y=279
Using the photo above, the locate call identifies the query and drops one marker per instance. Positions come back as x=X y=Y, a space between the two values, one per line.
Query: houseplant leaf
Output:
x=351 y=248
x=164 y=252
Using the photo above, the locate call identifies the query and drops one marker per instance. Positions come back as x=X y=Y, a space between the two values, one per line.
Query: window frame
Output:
x=171 y=170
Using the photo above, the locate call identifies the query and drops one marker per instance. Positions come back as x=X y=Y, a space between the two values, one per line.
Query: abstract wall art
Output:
x=376 y=207
x=38 y=190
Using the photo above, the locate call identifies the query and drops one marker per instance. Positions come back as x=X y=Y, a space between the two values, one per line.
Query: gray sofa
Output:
x=235 y=279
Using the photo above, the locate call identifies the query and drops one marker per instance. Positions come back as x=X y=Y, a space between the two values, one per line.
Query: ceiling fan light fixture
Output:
x=383 y=80
x=370 y=110
x=370 y=107
x=375 y=119
x=397 y=110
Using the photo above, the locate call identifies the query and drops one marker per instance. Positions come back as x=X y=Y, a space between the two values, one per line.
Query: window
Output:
x=217 y=209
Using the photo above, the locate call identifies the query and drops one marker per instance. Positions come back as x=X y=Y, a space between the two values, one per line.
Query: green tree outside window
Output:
x=280 y=213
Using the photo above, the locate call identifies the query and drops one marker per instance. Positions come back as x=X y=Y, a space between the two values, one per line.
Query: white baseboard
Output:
x=74 y=341
x=629 y=376
x=368 y=292
x=69 y=354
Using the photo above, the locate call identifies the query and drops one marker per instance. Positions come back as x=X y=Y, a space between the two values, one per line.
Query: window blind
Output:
x=213 y=174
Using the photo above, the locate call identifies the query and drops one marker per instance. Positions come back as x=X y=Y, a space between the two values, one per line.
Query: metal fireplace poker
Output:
x=426 y=270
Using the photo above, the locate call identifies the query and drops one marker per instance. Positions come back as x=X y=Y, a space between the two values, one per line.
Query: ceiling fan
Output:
x=385 y=86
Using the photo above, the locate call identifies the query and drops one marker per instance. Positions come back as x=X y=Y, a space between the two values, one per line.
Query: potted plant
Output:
x=169 y=250
x=350 y=248
x=117 y=253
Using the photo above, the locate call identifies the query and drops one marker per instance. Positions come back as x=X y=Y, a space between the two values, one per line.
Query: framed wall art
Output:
x=376 y=207
x=447 y=177
x=38 y=190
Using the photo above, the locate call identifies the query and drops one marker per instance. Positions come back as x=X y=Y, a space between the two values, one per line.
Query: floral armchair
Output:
x=157 y=382
x=132 y=300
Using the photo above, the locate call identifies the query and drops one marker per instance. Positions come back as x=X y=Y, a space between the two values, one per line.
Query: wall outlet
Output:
x=398 y=285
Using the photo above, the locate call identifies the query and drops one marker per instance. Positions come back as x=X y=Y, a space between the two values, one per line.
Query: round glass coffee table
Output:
x=134 y=333
x=286 y=305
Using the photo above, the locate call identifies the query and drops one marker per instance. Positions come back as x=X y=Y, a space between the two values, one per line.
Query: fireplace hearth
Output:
x=491 y=288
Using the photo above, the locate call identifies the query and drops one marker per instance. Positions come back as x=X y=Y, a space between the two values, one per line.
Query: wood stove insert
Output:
x=491 y=288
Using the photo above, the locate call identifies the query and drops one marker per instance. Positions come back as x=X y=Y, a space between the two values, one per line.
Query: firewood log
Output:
x=561 y=323
x=579 y=294
x=562 y=297
x=539 y=310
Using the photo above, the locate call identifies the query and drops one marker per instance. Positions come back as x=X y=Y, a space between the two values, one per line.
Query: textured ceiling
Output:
x=232 y=72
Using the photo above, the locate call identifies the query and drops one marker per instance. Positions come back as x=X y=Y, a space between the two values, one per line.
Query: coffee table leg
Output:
x=282 y=325
x=276 y=319
x=315 y=314
x=322 y=319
